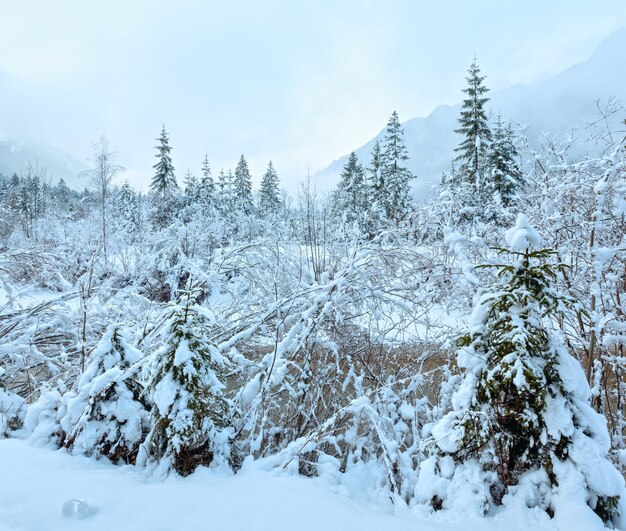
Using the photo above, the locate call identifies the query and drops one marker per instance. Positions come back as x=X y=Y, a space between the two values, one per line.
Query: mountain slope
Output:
x=17 y=154
x=554 y=107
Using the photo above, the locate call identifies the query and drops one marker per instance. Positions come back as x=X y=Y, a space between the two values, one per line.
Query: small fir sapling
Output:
x=106 y=416
x=187 y=390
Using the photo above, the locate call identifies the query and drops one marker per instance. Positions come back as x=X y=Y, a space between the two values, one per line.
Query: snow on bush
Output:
x=10 y=408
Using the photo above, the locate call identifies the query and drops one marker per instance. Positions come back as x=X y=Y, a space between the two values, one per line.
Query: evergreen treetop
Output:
x=351 y=197
x=505 y=173
x=395 y=176
x=269 y=195
x=163 y=179
x=242 y=186
x=206 y=187
x=473 y=127
x=375 y=182
x=207 y=179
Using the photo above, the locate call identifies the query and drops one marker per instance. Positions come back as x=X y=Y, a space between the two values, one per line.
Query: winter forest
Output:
x=450 y=357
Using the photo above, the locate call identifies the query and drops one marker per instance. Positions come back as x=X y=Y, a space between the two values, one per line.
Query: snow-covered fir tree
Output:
x=206 y=185
x=126 y=210
x=350 y=200
x=163 y=179
x=375 y=191
x=242 y=186
x=374 y=177
x=521 y=429
x=395 y=176
x=107 y=417
x=222 y=189
x=505 y=177
x=61 y=194
x=192 y=188
x=269 y=194
x=474 y=128
x=186 y=383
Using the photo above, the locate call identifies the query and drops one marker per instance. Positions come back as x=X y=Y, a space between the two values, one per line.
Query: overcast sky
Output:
x=297 y=82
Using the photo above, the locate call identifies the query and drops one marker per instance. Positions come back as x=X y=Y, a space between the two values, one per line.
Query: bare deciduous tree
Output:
x=102 y=173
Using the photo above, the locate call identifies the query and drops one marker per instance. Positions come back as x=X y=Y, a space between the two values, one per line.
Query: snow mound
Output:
x=77 y=509
x=522 y=236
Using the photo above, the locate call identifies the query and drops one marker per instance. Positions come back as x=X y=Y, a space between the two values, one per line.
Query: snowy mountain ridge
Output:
x=17 y=154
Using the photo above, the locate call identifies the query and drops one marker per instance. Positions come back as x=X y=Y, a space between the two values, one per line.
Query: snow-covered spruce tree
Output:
x=375 y=191
x=505 y=173
x=521 y=430
x=186 y=386
x=126 y=210
x=106 y=417
x=206 y=185
x=242 y=186
x=350 y=201
x=474 y=128
x=269 y=195
x=165 y=200
x=164 y=178
x=395 y=176
x=191 y=187
x=61 y=194
x=223 y=191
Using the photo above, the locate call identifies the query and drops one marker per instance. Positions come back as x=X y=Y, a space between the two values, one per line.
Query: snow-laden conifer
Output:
x=186 y=386
x=505 y=174
x=126 y=210
x=350 y=200
x=269 y=194
x=395 y=176
x=106 y=417
x=521 y=429
x=163 y=179
x=474 y=128
x=242 y=186
x=375 y=187
x=206 y=186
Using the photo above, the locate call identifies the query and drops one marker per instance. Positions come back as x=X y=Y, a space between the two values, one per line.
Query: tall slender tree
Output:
x=375 y=183
x=505 y=174
x=350 y=201
x=395 y=175
x=61 y=194
x=127 y=210
x=206 y=185
x=474 y=128
x=222 y=187
x=191 y=187
x=164 y=178
x=269 y=195
x=242 y=185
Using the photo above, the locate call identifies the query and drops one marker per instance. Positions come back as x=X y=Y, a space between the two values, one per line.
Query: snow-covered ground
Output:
x=46 y=490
